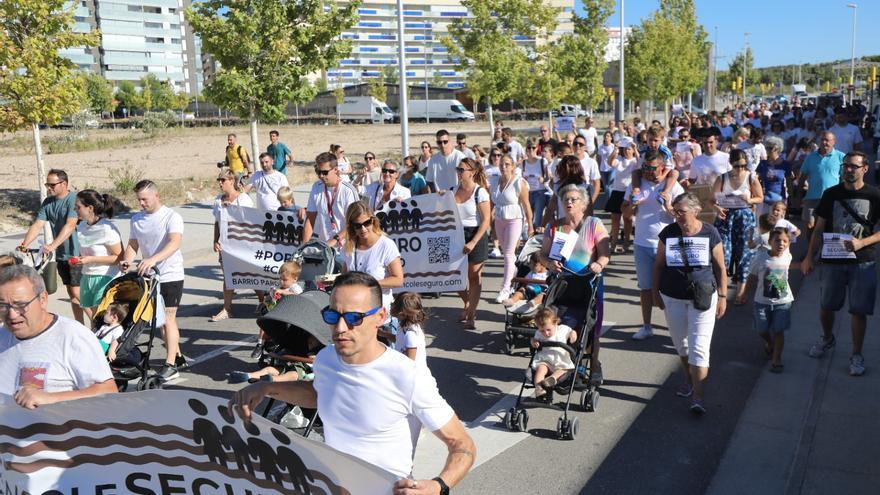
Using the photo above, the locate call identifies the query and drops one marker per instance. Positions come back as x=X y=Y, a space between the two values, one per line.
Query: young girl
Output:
x=773 y=297
x=554 y=361
x=407 y=308
x=778 y=212
x=534 y=291
x=111 y=329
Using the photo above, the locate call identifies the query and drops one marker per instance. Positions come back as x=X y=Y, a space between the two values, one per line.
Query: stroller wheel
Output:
x=573 y=428
x=561 y=426
x=150 y=383
x=121 y=385
x=507 y=421
x=594 y=400
x=522 y=420
x=509 y=344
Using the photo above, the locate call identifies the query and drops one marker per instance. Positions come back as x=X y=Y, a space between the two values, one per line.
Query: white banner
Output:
x=255 y=243
x=163 y=442
x=428 y=233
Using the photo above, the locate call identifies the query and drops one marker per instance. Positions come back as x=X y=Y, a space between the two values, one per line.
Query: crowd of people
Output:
x=697 y=202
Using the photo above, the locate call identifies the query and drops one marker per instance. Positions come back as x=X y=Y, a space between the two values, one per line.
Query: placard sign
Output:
x=833 y=247
x=696 y=249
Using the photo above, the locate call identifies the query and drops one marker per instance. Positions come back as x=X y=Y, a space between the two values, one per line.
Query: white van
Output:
x=438 y=110
x=365 y=109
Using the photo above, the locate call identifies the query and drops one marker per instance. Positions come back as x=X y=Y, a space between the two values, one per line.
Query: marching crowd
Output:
x=698 y=202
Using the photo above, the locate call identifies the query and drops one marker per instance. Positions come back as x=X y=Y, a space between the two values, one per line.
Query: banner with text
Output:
x=255 y=243
x=428 y=233
x=189 y=444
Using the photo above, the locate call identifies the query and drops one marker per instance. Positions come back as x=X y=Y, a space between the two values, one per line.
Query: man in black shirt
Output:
x=546 y=140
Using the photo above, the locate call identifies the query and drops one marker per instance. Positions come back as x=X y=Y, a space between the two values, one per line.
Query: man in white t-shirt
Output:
x=44 y=358
x=847 y=136
x=157 y=231
x=591 y=167
x=328 y=201
x=372 y=399
x=590 y=135
x=461 y=145
x=441 y=167
x=267 y=181
x=711 y=163
x=517 y=152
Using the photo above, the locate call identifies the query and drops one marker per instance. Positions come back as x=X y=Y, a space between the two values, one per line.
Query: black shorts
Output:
x=70 y=275
x=480 y=253
x=615 y=201
x=171 y=293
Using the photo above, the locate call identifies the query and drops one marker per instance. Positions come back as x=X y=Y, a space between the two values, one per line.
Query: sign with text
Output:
x=163 y=442
x=834 y=247
x=695 y=248
x=565 y=124
x=429 y=235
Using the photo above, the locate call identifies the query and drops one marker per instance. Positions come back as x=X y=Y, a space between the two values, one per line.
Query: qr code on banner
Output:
x=438 y=249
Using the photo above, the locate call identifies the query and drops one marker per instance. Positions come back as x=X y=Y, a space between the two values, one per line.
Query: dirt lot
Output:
x=184 y=161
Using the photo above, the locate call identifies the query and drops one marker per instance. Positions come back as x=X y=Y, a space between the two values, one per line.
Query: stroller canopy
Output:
x=302 y=312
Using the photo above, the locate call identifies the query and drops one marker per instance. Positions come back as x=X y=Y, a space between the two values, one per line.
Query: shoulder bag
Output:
x=700 y=290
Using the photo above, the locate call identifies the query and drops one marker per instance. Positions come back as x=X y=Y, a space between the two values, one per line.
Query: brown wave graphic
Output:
x=420 y=230
x=74 y=424
x=250 y=274
x=432 y=214
x=438 y=221
x=432 y=274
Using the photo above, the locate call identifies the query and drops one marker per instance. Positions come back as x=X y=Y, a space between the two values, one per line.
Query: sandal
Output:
x=619 y=249
x=222 y=315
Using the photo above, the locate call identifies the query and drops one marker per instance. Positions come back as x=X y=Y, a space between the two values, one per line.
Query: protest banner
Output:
x=565 y=124
x=164 y=442
x=429 y=235
x=255 y=243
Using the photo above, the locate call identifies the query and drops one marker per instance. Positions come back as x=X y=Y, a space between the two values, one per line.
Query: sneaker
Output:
x=548 y=382
x=856 y=365
x=503 y=295
x=238 y=377
x=823 y=344
x=258 y=350
x=697 y=407
x=168 y=372
x=644 y=333
x=180 y=362
x=596 y=378
x=539 y=391
x=685 y=390
x=495 y=254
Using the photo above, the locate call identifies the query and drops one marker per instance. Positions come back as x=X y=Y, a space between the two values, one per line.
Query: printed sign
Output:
x=696 y=249
x=833 y=247
x=162 y=441
x=565 y=124
x=255 y=243
x=731 y=200
x=428 y=233
x=563 y=245
x=683 y=147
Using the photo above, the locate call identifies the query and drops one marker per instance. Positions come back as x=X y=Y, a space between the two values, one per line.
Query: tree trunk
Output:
x=550 y=124
x=491 y=119
x=255 y=147
x=41 y=175
x=665 y=112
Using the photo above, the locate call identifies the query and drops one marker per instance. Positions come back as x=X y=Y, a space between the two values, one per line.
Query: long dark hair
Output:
x=570 y=171
x=103 y=204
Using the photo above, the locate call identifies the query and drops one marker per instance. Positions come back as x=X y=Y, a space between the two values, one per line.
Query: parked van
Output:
x=568 y=110
x=365 y=109
x=438 y=110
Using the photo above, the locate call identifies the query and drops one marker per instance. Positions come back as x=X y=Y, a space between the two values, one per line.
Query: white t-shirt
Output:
x=590 y=135
x=772 y=276
x=441 y=169
x=330 y=205
x=65 y=357
x=468 y=153
x=603 y=153
x=468 y=211
x=373 y=411
x=151 y=231
x=556 y=357
x=93 y=241
x=267 y=186
x=517 y=152
x=375 y=191
x=375 y=261
x=754 y=153
x=651 y=217
x=623 y=170
x=706 y=168
x=412 y=337
x=507 y=205
x=493 y=175
x=591 y=169
x=108 y=334
x=532 y=173
x=241 y=200
x=847 y=137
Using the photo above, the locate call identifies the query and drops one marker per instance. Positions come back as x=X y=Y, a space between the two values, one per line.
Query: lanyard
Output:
x=330 y=203
x=379 y=194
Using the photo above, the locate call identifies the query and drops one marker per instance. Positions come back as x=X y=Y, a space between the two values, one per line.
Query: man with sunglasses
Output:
x=44 y=358
x=388 y=189
x=461 y=145
x=441 y=174
x=58 y=209
x=328 y=201
x=590 y=166
x=372 y=400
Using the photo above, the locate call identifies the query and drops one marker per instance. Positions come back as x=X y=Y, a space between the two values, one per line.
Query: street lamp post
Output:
x=620 y=110
x=427 y=116
x=404 y=113
x=852 y=57
x=745 y=65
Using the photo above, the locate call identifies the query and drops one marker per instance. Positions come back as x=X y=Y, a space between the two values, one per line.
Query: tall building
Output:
x=139 y=37
x=374 y=40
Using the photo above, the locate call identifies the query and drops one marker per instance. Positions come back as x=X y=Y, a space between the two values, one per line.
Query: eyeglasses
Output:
x=495 y=155
x=389 y=171
x=322 y=173
x=461 y=170
x=363 y=225
x=571 y=200
x=444 y=141
x=19 y=307
x=578 y=144
x=352 y=318
x=53 y=184
x=852 y=166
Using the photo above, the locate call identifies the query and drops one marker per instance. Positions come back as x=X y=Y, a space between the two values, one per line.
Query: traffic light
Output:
x=739 y=84
x=873 y=76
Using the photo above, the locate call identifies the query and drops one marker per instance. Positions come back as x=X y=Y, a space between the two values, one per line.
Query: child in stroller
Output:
x=288 y=285
x=283 y=367
x=552 y=361
x=108 y=334
x=531 y=289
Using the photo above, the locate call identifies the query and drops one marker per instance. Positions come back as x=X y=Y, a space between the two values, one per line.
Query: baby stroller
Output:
x=519 y=323
x=140 y=294
x=567 y=293
x=316 y=260
x=288 y=327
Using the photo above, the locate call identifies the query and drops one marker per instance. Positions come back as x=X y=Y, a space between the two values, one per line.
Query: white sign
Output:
x=732 y=200
x=563 y=245
x=429 y=235
x=255 y=243
x=696 y=249
x=833 y=247
x=565 y=124
x=683 y=147
x=163 y=441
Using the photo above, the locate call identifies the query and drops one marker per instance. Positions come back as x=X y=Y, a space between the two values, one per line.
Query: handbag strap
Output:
x=856 y=216
x=684 y=258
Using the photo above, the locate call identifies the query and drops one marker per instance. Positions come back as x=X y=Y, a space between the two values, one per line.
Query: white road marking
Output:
x=211 y=355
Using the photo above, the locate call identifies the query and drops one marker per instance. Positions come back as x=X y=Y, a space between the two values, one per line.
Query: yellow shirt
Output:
x=233 y=159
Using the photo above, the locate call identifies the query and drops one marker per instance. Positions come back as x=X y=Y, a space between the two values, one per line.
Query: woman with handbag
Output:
x=692 y=291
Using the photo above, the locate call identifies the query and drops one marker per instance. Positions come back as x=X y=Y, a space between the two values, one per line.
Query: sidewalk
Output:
x=812 y=429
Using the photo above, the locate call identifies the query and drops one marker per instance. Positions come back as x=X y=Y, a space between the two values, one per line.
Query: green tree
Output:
x=266 y=49
x=391 y=74
x=735 y=70
x=579 y=57
x=376 y=87
x=485 y=48
x=437 y=80
x=545 y=86
x=126 y=95
x=144 y=100
x=99 y=93
x=339 y=96
x=37 y=85
x=179 y=102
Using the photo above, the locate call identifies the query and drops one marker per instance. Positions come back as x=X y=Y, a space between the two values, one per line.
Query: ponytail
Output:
x=104 y=205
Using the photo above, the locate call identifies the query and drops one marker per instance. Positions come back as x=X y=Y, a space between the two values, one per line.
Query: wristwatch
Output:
x=444 y=488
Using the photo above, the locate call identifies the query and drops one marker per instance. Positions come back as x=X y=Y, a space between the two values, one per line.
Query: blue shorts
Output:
x=533 y=290
x=644 y=257
x=772 y=318
x=860 y=281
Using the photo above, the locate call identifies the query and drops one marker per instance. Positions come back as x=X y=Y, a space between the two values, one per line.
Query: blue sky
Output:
x=782 y=31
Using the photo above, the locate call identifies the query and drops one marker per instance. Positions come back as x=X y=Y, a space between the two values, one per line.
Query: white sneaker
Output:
x=645 y=332
x=502 y=295
x=495 y=254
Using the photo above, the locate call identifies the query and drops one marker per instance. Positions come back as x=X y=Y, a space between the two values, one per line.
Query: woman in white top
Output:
x=367 y=249
x=511 y=199
x=99 y=245
x=230 y=195
x=387 y=188
x=425 y=157
x=754 y=147
x=602 y=154
x=472 y=200
x=623 y=163
x=492 y=171
x=342 y=163
x=536 y=171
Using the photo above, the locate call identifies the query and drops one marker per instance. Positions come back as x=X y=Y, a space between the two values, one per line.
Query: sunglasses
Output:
x=461 y=170
x=649 y=169
x=462 y=143
x=370 y=158
x=579 y=144
x=223 y=179
x=495 y=155
x=322 y=173
x=389 y=171
x=442 y=141
x=352 y=318
x=52 y=184
x=363 y=225
x=530 y=147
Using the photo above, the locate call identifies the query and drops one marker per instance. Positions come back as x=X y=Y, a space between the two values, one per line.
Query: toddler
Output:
x=285 y=198
x=554 y=361
x=533 y=291
x=288 y=285
x=410 y=340
x=777 y=213
x=296 y=367
x=112 y=329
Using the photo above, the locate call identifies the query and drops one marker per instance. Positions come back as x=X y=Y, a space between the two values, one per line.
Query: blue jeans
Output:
x=538 y=201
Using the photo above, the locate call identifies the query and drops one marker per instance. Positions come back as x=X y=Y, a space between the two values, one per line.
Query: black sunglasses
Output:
x=322 y=173
x=462 y=170
x=369 y=158
x=389 y=171
x=577 y=143
x=443 y=141
x=649 y=169
x=363 y=225
x=352 y=318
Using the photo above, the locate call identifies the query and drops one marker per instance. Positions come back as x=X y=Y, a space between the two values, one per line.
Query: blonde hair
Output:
x=227 y=173
x=355 y=210
x=546 y=315
x=285 y=194
x=741 y=132
x=291 y=268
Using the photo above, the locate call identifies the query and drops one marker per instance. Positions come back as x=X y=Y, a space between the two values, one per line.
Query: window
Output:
x=152 y=10
x=135 y=8
x=175 y=41
x=153 y=25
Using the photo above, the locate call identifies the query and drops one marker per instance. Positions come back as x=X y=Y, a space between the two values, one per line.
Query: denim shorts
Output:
x=644 y=257
x=860 y=281
x=772 y=318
